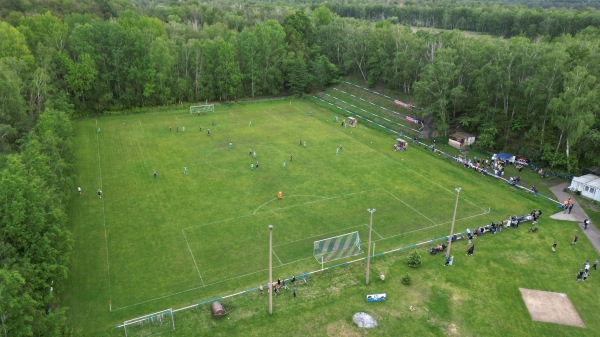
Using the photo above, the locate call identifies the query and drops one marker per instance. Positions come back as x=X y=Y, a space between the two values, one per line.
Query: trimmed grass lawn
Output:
x=178 y=239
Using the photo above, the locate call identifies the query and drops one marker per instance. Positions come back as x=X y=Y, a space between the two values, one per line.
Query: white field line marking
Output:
x=423 y=176
x=409 y=206
x=193 y=258
x=267 y=112
x=207 y=285
x=280 y=263
x=316 y=196
x=374 y=232
x=282 y=208
x=104 y=219
x=435 y=225
x=317 y=236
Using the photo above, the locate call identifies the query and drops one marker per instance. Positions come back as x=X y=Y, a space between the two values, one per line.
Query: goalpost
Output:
x=202 y=108
x=337 y=247
x=152 y=324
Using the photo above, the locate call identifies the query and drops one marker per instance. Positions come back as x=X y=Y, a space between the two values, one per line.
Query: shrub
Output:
x=406 y=280
x=414 y=259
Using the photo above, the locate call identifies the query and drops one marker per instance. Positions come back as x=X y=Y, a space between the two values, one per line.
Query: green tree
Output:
x=574 y=108
x=13 y=108
x=297 y=78
x=13 y=44
x=15 y=302
x=437 y=85
x=80 y=75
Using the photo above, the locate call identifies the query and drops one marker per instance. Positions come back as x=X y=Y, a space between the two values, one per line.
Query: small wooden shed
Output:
x=461 y=139
x=217 y=310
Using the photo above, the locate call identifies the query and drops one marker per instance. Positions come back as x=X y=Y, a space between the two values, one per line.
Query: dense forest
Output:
x=530 y=85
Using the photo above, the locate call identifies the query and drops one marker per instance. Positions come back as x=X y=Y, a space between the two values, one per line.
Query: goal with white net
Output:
x=337 y=247
x=198 y=109
x=152 y=324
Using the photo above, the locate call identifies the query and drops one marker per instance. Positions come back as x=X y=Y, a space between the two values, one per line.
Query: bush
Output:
x=406 y=280
x=414 y=259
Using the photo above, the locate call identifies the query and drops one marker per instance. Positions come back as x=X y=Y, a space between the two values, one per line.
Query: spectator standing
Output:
x=586 y=223
x=595 y=264
x=586 y=265
x=554 y=246
x=579 y=275
x=575 y=239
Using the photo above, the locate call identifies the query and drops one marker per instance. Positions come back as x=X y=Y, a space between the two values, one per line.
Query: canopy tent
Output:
x=588 y=185
x=506 y=157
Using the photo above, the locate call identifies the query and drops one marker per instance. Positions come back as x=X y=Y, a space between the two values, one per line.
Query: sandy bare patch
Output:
x=452 y=330
x=551 y=307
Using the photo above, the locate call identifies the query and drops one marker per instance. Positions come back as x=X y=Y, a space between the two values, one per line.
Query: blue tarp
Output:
x=504 y=156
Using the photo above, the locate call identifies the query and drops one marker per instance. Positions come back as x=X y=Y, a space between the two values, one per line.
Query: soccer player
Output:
x=79 y=189
x=183 y=129
x=99 y=194
x=254 y=154
x=283 y=164
x=154 y=173
x=185 y=170
x=208 y=132
x=230 y=145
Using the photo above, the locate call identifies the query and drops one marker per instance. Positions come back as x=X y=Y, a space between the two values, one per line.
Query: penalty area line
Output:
x=409 y=206
x=280 y=263
x=193 y=258
x=435 y=225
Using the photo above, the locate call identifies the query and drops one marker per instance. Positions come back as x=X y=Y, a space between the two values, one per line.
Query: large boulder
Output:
x=364 y=320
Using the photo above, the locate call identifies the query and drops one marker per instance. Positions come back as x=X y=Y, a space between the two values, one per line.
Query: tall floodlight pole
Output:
x=453 y=219
x=371 y=210
x=270 y=287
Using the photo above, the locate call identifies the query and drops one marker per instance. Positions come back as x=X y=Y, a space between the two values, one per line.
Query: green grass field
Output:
x=155 y=243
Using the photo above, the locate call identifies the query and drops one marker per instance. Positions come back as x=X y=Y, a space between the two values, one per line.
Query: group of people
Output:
x=584 y=272
x=567 y=206
x=280 y=285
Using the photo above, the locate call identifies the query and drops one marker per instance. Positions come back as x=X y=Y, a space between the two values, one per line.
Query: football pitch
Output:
x=179 y=238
